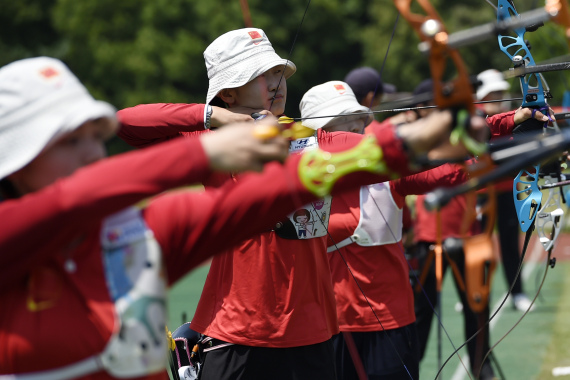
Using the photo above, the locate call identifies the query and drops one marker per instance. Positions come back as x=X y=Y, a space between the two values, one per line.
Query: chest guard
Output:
x=381 y=220
x=137 y=285
x=311 y=220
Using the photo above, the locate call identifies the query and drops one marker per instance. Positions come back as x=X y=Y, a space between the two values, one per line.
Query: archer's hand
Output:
x=223 y=116
x=523 y=114
x=430 y=135
x=403 y=117
x=245 y=146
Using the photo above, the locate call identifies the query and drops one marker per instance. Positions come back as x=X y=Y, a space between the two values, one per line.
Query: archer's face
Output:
x=495 y=108
x=354 y=126
x=259 y=93
x=76 y=149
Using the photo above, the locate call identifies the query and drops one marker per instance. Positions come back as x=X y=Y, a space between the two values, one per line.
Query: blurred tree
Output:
x=26 y=30
x=139 y=51
x=406 y=66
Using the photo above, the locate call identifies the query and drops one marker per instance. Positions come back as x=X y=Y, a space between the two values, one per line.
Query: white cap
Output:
x=330 y=98
x=40 y=100
x=492 y=80
x=238 y=57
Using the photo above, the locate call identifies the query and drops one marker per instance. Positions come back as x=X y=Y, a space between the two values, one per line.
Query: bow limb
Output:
x=245 y=13
x=562 y=15
x=431 y=30
x=478 y=249
x=480 y=259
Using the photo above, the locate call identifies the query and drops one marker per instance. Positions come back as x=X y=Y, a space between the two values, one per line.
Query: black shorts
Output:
x=237 y=362
x=386 y=355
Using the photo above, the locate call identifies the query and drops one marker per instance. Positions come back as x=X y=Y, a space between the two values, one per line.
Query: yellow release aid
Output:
x=170 y=340
x=296 y=131
x=319 y=170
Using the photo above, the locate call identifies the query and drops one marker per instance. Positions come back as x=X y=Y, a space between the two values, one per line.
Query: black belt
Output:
x=210 y=344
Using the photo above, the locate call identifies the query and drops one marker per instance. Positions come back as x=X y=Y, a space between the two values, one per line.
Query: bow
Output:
x=458 y=93
x=478 y=249
x=544 y=150
x=548 y=218
x=533 y=87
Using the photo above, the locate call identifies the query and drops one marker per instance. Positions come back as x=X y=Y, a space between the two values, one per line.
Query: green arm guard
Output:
x=319 y=170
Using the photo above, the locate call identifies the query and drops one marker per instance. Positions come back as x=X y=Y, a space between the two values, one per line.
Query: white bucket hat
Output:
x=491 y=80
x=330 y=98
x=40 y=100
x=237 y=57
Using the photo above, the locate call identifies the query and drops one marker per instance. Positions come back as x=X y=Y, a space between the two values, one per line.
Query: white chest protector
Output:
x=137 y=284
x=380 y=218
x=311 y=220
x=136 y=280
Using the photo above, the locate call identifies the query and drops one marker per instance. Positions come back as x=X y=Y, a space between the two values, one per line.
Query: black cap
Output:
x=363 y=80
x=425 y=87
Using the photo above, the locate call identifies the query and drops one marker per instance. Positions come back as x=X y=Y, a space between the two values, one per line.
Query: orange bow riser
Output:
x=480 y=260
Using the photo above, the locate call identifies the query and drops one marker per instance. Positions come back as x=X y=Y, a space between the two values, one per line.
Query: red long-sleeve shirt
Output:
x=381 y=270
x=267 y=291
x=452 y=214
x=41 y=231
x=148 y=124
x=269 y=275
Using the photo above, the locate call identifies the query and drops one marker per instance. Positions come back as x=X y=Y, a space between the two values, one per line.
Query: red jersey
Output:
x=269 y=291
x=54 y=315
x=272 y=292
x=452 y=214
x=381 y=270
x=502 y=125
x=144 y=125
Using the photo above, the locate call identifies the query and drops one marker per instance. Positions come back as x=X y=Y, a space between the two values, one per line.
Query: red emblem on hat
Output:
x=340 y=88
x=49 y=72
x=255 y=35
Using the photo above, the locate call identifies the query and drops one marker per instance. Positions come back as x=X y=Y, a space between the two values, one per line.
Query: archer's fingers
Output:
x=536 y=114
x=523 y=114
x=551 y=112
x=478 y=129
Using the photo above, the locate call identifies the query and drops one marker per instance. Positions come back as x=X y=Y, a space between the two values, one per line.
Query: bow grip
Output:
x=529 y=125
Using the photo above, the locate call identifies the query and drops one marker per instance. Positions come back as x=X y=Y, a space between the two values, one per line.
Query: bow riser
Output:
x=526 y=208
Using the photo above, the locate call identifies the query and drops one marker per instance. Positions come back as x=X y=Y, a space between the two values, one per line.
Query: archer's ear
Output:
x=228 y=95
x=368 y=99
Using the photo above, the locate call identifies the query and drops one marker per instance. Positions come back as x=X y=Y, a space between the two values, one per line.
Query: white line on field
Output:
x=560 y=371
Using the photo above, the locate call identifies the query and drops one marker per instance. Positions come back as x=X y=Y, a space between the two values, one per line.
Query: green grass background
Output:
x=532 y=349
